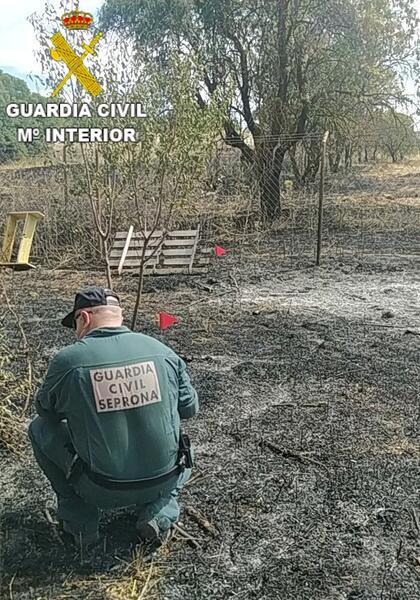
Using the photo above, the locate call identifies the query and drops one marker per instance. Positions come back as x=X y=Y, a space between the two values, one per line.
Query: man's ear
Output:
x=87 y=316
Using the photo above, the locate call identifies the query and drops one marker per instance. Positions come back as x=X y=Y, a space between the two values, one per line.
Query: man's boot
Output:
x=151 y=535
x=80 y=539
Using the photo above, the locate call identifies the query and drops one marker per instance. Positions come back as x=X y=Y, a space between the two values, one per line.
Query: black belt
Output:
x=185 y=461
x=79 y=467
x=134 y=484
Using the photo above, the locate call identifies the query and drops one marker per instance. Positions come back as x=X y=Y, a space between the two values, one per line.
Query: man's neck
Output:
x=107 y=325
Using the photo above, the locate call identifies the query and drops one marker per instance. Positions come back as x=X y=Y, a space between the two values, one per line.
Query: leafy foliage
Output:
x=289 y=66
x=13 y=89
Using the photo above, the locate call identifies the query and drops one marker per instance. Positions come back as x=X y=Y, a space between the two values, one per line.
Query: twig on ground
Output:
x=191 y=541
x=415 y=518
x=146 y=583
x=225 y=293
x=236 y=284
x=291 y=454
x=196 y=477
x=54 y=526
x=11 y=586
x=63 y=263
x=201 y=520
x=407 y=329
x=49 y=518
x=295 y=405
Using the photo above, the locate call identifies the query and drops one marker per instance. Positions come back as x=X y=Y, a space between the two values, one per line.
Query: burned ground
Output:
x=306 y=443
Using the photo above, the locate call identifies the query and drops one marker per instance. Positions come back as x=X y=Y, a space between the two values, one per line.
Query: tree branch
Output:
x=244 y=87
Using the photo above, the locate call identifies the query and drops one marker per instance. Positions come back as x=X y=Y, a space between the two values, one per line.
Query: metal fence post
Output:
x=321 y=196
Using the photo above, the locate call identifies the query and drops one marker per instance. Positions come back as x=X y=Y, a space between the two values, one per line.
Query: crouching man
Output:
x=107 y=434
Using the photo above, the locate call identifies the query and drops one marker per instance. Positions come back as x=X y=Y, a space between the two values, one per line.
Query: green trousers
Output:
x=79 y=503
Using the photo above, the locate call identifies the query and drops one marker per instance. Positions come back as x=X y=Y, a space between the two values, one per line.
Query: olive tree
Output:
x=288 y=64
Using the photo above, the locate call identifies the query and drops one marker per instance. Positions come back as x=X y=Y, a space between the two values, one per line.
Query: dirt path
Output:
x=364 y=292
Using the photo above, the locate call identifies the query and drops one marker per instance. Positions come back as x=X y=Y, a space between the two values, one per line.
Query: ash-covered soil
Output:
x=307 y=441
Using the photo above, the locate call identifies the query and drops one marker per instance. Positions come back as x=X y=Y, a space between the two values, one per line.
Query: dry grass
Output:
x=16 y=386
x=12 y=430
x=137 y=580
x=12 y=423
x=375 y=200
x=384 y=170
x=226 y=209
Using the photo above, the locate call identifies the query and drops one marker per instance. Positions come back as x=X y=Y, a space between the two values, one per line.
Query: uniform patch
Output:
x=123 y=388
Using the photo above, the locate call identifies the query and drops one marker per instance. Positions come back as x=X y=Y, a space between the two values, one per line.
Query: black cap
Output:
x=91 y=296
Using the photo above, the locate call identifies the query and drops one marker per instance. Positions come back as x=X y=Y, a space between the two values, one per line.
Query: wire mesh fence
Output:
x=369 y=207
x=267 y=194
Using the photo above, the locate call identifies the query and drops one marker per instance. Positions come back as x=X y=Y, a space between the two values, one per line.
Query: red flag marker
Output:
x=219 y=251
x=165 y=320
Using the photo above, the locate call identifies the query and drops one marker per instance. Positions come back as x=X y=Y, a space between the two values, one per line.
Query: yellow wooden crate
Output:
x=30 y=219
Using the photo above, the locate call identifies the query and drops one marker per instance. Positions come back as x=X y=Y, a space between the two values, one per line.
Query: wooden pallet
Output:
x=167 y=253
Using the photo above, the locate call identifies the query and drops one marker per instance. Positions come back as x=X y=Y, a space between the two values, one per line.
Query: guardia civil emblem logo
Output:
x=62 y=51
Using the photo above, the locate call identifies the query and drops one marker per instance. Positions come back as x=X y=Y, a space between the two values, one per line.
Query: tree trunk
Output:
x=392 y=153
x=65 y=173
x=348 y=155
x=270 y=167
x=312 y=169
x=99 y=206
x=335 y=166
x=295 y=167
x=313 y=161
x=139 y=293
x=105 y=245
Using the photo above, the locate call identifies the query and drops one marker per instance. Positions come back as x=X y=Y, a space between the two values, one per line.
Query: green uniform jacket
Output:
x=123 y=395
